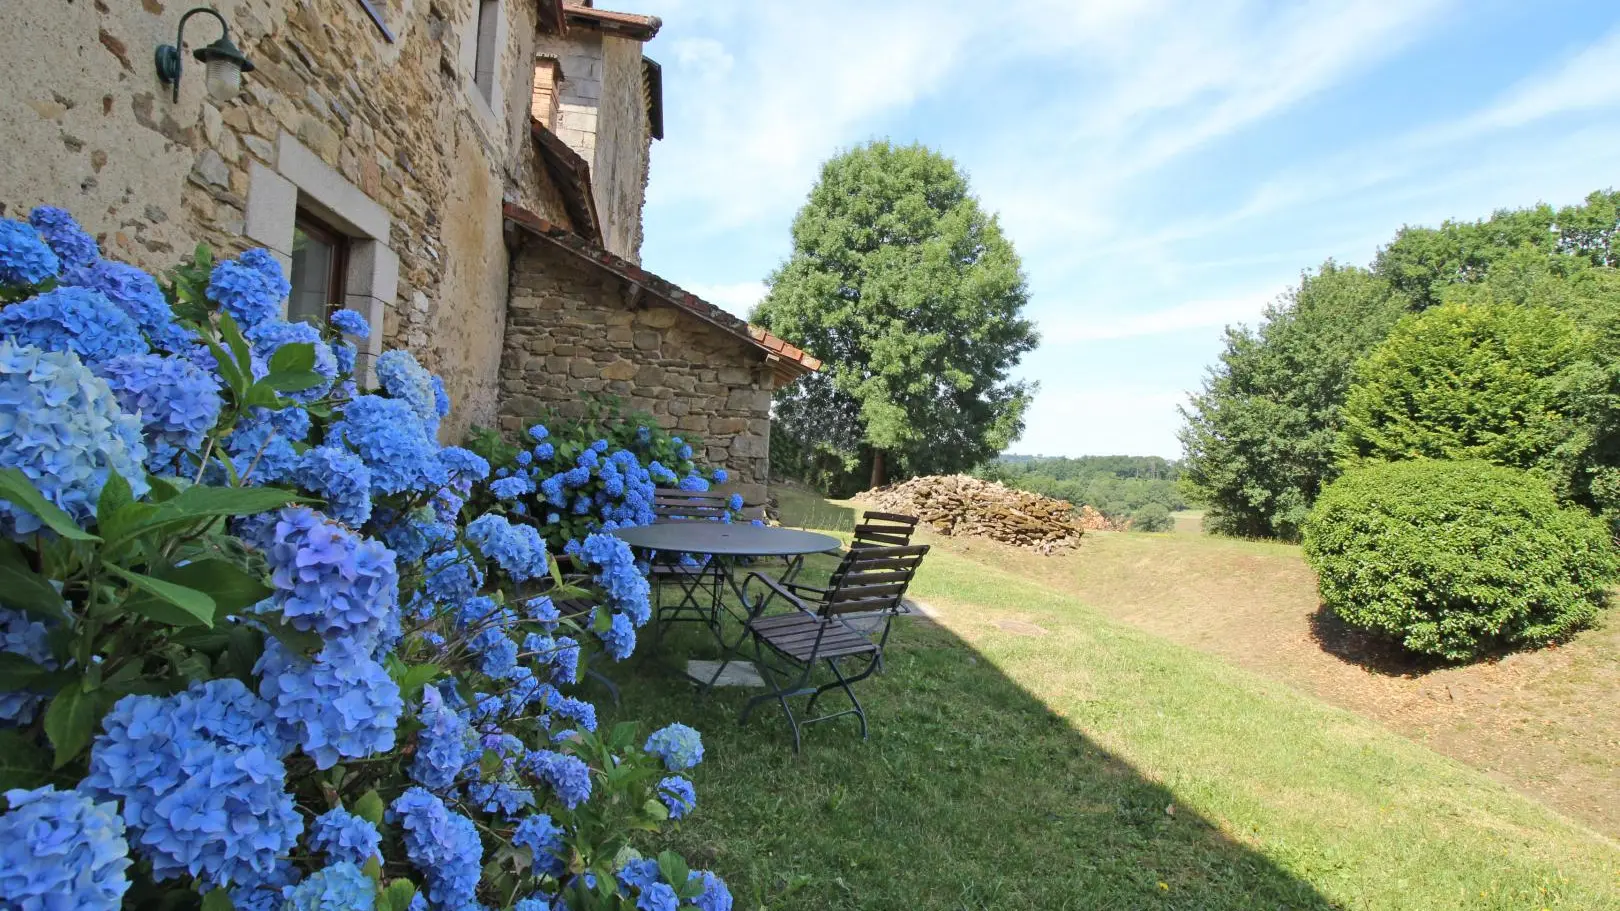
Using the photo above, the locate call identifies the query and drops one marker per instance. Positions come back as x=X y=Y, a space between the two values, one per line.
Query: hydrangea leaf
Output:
x=70 y=721
x=218 y=900
x=21 y=492
x=22 y=763
x=370 y=807
x=115 y=495
x=656 y=810
x=200 y=502
x=25 y=589
x=18 y=671
x=231 y=588
x=396 y=896
x=169 y=603
x=411 y=677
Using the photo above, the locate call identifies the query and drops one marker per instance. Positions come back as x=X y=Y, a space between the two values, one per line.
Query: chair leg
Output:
x=778 y=693
x=842 y=683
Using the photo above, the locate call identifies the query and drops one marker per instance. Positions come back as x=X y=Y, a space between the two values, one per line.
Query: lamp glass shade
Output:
x=223 y=77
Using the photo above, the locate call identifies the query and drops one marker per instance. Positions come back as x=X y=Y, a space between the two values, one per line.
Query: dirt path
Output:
x=1543 y=722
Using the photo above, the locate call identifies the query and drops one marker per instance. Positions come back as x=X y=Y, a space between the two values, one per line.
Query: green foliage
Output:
x=1456 y=558
x=1260 y=437
x=1116 y=486
x=1422 y=263
x=913 y=297
x=1152 y=517
x=1491 y=381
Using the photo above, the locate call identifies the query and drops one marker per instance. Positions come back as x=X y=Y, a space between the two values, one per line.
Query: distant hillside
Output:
x=1119 y=486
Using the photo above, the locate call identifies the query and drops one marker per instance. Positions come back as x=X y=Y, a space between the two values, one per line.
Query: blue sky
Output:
x=1164 y=168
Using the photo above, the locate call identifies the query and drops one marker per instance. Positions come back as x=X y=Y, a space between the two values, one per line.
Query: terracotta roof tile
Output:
x=790 y=362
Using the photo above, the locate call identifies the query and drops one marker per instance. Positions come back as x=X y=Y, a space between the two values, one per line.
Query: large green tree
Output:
x=1260 y=437
x=914 y=297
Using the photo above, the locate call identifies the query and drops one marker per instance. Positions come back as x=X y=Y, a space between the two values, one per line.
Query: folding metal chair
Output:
x=877 y=529
x=700 y=585
x=873 y=580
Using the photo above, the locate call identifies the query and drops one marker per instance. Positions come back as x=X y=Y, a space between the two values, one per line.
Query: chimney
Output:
x=548 y=76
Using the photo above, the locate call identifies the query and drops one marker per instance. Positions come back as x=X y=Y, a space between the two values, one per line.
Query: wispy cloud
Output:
x=1111 y=324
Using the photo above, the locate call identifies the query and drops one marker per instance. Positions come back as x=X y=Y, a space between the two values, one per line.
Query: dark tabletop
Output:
x=721 y=539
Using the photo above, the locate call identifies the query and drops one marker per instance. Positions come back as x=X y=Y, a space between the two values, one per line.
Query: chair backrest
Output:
x=873 y=579
x=884 y=529
x=674 y=505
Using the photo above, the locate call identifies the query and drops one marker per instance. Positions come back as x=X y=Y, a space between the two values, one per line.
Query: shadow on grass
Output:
x=1368 y=650
x=971 y=793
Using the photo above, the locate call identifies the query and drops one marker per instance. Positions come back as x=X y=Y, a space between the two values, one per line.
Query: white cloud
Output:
x=736 y=297
x=1112 y=324
x=1110 y=418
x=1588 y=80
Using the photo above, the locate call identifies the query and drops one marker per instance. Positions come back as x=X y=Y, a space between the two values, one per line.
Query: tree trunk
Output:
x=879 y=475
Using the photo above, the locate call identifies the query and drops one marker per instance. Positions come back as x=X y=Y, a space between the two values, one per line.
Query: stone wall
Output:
x=398 y=127
x=602 y=115
x=573 y=328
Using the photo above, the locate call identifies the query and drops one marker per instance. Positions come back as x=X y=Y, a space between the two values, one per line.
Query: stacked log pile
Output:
x=960 y=505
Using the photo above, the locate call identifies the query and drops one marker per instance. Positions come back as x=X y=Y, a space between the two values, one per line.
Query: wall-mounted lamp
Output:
x=224 y=63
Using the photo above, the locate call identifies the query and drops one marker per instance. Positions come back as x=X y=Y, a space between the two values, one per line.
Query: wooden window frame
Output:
x=338 y=280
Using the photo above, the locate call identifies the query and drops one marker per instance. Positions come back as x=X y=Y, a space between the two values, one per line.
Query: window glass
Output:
x=317 y=271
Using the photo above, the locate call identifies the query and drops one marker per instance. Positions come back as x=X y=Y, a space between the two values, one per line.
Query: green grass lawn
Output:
x=1027 y=753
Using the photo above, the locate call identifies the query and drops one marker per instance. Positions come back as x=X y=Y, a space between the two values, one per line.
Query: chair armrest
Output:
x=801 y=587
x=776 y=588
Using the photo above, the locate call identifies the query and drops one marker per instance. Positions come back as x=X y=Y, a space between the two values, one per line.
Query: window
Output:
x=320 y=260
x=489 y=16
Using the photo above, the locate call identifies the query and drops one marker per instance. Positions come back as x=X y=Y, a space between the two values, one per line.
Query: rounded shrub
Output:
x=1152 y=517
x=1456 y=558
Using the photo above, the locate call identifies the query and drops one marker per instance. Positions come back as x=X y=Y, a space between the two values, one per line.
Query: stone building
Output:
x=467 y=173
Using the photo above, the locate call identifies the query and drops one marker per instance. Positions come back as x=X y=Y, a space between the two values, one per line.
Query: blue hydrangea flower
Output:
x=497 y=654
x=619 y=638
x=658 y=897
x=63 y=235
x=22 y=635
x=266 y=893
x=60 y=849
x=693 y=482
x=443 y=845
x=735 y=502
x=261 y=449
x=568 y=777
x=517 y=549
x=543 y=611
x=511 y=488
x=345 y=355
x=250 y=288
x=390 y=438
x=64 y=430
x=639 y=873
x=412 y=536
x=200 y=778
x=73 y=319
x=178 y=404
x=679 y=746
x=565 y=661
x=538 y=433
x=351 y=322
x=339 y=887
x=341 y=478
x=344 y=837
x=578 y=711
x=678 y=796
x=331 y=581
x=342 y=704
x=405 y=379
x=544 y=839
x=451 y=577
x=525 y=457
x=619 y=577
x=444 y=746
x=544 y=452
x=715 y=896
x=137 y=294
x=465 y=467
x=441 y=397
x=720 y=476
x=25 y=258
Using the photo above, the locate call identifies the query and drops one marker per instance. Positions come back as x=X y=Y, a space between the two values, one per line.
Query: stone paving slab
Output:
x=737 y=673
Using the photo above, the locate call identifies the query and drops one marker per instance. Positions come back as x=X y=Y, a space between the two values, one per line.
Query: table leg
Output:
x=751 y=612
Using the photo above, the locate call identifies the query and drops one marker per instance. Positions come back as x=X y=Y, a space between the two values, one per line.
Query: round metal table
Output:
x=719 y=539
x=725 y=544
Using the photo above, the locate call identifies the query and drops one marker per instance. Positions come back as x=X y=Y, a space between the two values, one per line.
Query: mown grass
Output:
x=1027 y=753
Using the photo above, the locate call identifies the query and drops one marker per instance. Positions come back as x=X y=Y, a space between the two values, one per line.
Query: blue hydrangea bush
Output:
x=265 y=644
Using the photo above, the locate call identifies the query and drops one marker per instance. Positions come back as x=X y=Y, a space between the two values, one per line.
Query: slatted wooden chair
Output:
x=877 y=529
x=873 y=580
x=699 y=586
